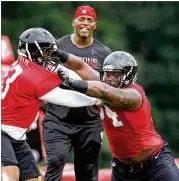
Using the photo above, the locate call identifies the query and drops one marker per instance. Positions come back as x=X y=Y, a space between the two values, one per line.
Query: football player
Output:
x=79 y=129
x=139 y=153
x=29 y=82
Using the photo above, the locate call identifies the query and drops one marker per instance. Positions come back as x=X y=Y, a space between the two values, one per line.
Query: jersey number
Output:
x=6 y=82
x=113 y=116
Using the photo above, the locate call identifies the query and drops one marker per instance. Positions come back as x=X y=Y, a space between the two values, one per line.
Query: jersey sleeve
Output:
x=108 y=51
x=139 y=89
x=47 y=84
x=60 y=43
x=64 y=41
x=104 y=50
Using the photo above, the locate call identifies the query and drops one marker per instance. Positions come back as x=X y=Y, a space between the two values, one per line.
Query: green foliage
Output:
x=148 y=30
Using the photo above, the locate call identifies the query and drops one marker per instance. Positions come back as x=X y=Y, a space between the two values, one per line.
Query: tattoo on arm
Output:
x=128 y=99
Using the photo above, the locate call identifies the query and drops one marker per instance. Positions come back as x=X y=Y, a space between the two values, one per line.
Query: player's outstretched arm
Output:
x=69 y=98
x=79 y=66
x=126 y=98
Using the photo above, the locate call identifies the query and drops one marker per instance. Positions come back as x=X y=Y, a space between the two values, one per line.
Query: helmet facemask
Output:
x=42 y=54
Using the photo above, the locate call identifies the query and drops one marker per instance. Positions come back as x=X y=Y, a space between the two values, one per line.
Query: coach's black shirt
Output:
x=94 y=55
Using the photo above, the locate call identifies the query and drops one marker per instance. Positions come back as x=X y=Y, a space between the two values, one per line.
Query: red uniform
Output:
x=130 y=132
x=25 y=83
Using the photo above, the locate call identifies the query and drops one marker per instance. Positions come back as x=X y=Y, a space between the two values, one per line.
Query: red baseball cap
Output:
x=85 y=10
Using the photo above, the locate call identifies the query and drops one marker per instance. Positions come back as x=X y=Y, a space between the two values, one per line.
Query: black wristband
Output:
x=64 y=56
x=79 y=85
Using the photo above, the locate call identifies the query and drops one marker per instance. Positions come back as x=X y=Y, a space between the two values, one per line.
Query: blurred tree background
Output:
x=147 y=30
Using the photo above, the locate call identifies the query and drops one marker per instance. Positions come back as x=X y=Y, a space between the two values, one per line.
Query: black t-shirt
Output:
x=94 y=55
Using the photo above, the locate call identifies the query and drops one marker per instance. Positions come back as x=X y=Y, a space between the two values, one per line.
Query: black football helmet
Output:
x=39 y=46
x=124 y=63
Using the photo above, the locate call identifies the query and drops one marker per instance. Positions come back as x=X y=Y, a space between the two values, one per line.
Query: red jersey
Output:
x=130 y=132
x=25 y=83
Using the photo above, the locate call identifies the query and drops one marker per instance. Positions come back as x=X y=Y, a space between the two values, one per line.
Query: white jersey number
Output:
x=6 y=82
x=113 y=116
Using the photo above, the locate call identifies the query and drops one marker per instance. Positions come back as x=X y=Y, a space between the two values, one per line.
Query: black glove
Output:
x=61 y=54
x=64 y=75
x=77 y=85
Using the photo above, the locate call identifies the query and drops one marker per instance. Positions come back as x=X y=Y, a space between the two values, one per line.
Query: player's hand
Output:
x=77 y=85
x=64 y=75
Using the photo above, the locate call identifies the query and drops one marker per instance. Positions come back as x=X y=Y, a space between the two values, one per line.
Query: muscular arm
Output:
x=81 y=68
x=128 y=98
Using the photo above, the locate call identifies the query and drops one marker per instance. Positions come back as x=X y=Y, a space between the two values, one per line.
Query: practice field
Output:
x=69 y=175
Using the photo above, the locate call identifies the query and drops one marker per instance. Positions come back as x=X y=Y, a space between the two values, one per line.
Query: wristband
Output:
x=79 y=85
